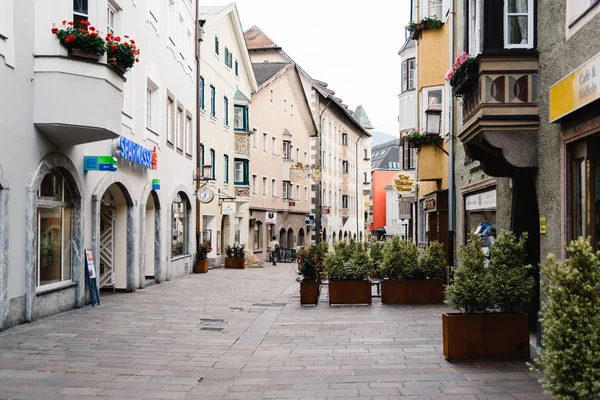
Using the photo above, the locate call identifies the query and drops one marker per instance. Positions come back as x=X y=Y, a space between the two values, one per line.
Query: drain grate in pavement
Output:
x=210 y=328
x=259 y=328
x=211 y=324
x=213 y=320
x=269 y=305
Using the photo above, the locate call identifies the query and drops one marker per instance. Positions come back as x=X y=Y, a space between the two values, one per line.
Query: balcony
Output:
x=76 y=101
x=500 y=113
x=242 y=144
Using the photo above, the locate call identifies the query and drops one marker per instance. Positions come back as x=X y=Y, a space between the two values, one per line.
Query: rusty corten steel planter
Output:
x=350 y=292
x=416 y=291
x=236 y=263
x=500 y=336
x=309 y=292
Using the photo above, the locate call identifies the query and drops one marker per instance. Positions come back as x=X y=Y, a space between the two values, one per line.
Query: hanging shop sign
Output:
x=481 y=201
x=579 y=88
x=309 y=219
x=228 y=207
x=99 y=163
x=403 y=183
x=430 y=203
x=130 y=150
x=270 y=218
x=155 y=184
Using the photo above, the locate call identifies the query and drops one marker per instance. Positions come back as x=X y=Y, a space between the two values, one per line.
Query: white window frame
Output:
x=254 y=140
x=579 y=13
x=110 y=11
x=180 y=127
x=305 y=194
x=475 y=13
x=254 y=184
x=152 y=108
x=170 y=123
x=265 y=143
x=426 y=7
x=238 y=167
x=265 y=188
x=529 y=44
x=425 y=105
x=189 y=133
x=285 y=190
x=273 y=187
x=274 y=145
x=172 y=23
x=287 y=150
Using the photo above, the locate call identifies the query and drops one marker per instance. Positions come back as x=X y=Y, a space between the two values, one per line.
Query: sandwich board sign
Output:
x=90 y=272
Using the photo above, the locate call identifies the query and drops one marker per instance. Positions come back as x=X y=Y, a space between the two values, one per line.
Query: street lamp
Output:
x=207 y=172
x=434 y=121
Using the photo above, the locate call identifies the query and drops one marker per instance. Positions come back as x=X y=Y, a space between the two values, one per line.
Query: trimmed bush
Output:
x=349 y=262
x=400 y=259
x=432 y=263
x=570 y=355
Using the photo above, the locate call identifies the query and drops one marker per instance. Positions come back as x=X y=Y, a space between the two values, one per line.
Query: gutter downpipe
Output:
x=199 y=38
x=451 y=172
x=417 y=93
x=356 y=180
x=320 y=184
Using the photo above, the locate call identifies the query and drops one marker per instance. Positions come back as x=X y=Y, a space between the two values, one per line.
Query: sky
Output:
x=351 y=45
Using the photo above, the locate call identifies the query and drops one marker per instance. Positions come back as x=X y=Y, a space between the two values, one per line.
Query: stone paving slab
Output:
x=242 y=334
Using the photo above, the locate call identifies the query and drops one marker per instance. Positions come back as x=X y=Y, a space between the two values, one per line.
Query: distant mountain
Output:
x=381 y=137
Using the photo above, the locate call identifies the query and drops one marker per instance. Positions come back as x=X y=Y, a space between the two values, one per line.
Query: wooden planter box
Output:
x=201 y=267
x=236 y=263
x=85 y=54
x=417 y=291
x=485 y=336
x=309 y=292
x=116 y=65
x=350 y=292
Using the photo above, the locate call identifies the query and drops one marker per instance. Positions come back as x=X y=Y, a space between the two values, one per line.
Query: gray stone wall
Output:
x=558 y=57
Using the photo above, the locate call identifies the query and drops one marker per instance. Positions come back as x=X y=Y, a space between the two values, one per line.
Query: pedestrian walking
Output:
x=274 y=247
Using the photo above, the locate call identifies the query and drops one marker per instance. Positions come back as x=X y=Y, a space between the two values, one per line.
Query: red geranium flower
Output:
x=55 y=30
x=113 y=47
x=137 y=60
x=117 y=39
x=92 y=28
x=70 y=23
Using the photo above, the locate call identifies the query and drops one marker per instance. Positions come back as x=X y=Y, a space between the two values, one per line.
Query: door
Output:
x=107 y=243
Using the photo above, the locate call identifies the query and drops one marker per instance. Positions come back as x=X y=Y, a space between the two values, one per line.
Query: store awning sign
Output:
x=579 y=88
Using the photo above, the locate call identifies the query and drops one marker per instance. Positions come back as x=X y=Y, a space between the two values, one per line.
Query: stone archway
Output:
x=61 y=163
x=114 y=185
x=4 y=224
x=334 y=241
x=282 y=238
x=150 y=235
x=290 y=238
x=301 y=242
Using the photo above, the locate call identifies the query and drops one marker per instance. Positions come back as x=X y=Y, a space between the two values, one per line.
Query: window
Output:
x=297 y=155
x=202 y=93
x=257 y=235
x=474 y=22
x=149 y=107
x=305 y=193
x=241 y=172
x=305 y=157
x=216 y=45
x=213 y=108
x=152 y=107
x=273 y=188
x=110 y=19
x=226 y=110
x=298 y=192
x=292 y=110
x=240 y=118
x=344 y=139
x=434 y=8
x=432 y=98
x=170 y=128
x=265 y=143
x=254 y=140
x=172 y=22
x=366 y=152
x=54 y=230
x=202 y=156
x=228 y=58
x=274 y=145
x=365 y=177
x=264 y=187
x=272 y=95
x=408 y=74
x=345 y=167
x=226 y=168
x=577 y=8
x=518 y=24
x=287 y=149
x=286 y=189
x=254 y=184
x=180 y=126
x=80 y=11
x=236 y=229
x=237 y=68
x=285 y=105
x=344 y=201
x=189 y=134
x=180 y=225
x=213 y=163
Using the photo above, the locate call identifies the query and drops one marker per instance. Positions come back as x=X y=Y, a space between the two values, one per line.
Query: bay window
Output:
x=518 y=24
x=240 y=173
x=240 y=118
x=287 y=149
x=408 y=74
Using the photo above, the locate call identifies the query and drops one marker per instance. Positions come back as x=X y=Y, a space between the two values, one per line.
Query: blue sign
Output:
x=134 y=152
x=90 y=163
x=99 y=163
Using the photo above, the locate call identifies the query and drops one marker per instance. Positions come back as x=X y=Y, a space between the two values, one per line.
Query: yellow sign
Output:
x=543 y=226
x=403 y=184
x=576 y=90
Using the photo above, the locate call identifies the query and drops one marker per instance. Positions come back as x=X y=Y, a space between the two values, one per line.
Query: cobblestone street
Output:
x=241 y=334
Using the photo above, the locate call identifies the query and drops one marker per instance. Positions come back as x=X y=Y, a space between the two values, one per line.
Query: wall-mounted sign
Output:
x=576 y=90
x=99 y=163
x=430 y=203
x=228 y=207
x=481 y=201
x=309 y=219
x=403 y=183
x=46 y=202
x=543 y=225
x=134 y=152
x=270 y=218
x=155 y=184
x=292 y=203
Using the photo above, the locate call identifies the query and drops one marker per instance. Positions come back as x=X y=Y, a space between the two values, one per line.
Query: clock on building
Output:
x=205 y=195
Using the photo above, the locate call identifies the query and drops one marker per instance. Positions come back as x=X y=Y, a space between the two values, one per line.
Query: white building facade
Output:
x=67 y=122
x=227 y=84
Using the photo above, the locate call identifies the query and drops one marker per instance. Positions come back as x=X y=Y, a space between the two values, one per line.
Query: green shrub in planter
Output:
x=471 y=292
x=508 y=273
x=400 y=259
x=348 y=263
x=432 y=263
x=376 y=253
x=570 y=355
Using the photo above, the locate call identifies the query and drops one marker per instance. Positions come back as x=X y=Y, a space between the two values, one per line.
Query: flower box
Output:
x=500 y=336
x=116 y=65
x=309 y=292
x=235 y=263
x=413 y=291
x=466 y=82
x=426 y=139
x=75 y=52
x=201 y=267
x=350 y=292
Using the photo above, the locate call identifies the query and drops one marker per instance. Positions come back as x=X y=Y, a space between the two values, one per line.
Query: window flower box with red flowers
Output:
x=81 y=42
x=122 y=55
x=463 y=75
x=415 y=139
x=426 y=23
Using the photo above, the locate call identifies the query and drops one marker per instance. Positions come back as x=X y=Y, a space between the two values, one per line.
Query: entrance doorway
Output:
x=151 y=237
x=113 y=239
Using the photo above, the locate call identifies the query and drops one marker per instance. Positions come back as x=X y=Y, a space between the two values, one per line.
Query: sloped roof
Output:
x=265 y=71
x=410 y=43
x=361 y=116
x=240 y=96
x=257 y=40
x=207 y=12
x=385 y=155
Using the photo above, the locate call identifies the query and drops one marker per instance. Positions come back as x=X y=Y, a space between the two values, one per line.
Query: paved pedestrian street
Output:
x=241 y=334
